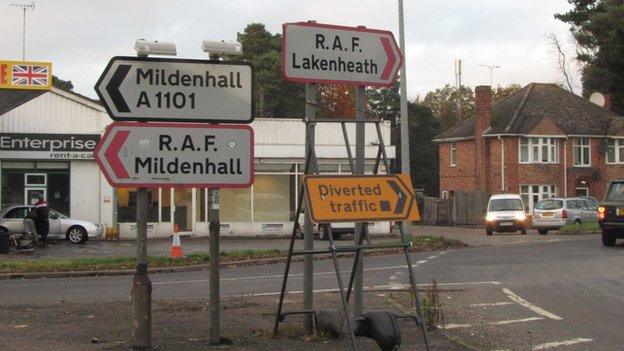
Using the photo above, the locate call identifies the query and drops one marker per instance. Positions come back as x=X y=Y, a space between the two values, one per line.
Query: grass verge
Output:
x=420 y=243
x=118 y=263
x=431 y=242
x=583 y=228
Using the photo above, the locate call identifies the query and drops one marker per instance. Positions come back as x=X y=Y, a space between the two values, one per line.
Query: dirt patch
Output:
x=183 y=325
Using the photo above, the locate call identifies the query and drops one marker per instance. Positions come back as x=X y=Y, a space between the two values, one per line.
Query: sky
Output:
x=79 y=37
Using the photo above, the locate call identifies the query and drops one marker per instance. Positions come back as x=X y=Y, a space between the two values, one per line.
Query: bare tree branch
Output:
x=562 y=60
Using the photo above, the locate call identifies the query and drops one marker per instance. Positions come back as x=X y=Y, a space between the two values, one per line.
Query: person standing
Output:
x=42 y=222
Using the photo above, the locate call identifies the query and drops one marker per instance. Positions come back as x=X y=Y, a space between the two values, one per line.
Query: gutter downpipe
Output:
x=502 y=163
x=565 y=167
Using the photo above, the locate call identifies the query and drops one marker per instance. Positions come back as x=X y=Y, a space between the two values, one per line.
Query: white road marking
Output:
x=432 y=257
x=372 y=288
x=421 y=262
x=442 y=253
x=488 y=304
x=550 y=345
x=277 y=276
x=530 y=306
x=508 y=321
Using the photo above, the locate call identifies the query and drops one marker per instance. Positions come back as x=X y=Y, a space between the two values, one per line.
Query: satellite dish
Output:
x=598 y=99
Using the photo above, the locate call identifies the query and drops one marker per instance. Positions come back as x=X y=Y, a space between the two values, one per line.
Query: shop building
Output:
x=46 y=144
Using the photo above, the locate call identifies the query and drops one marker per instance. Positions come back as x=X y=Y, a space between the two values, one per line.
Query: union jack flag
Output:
x=30 y=75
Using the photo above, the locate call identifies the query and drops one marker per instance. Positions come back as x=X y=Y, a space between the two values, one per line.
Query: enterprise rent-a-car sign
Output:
x=48 y=146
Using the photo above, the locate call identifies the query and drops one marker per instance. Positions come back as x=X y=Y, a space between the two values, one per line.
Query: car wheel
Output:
x=523 y=231
x=76 y=235
x=298 y=232
x=542 y=231
x=488 y=232
x=607 y=238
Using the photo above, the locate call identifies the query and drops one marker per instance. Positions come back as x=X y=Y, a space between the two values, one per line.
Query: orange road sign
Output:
x=360 y=198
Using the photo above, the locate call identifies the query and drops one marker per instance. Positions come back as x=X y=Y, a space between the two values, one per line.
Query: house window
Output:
x=453 y=154
x=581 y=152
x=615 y=151
x=531 y=194
x=538 y=150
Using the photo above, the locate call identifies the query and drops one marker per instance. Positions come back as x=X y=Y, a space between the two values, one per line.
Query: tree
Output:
x=273 y=96
x=336 y=100
x=450 y=105
x=384 y=103
x=62 y=84
x=423 y=151
x=500 y=93
x=596 y=25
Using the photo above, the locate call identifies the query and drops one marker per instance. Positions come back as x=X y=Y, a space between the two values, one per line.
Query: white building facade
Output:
x=46 y=145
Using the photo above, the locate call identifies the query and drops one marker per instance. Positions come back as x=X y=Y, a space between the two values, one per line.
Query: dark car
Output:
x=611 y=214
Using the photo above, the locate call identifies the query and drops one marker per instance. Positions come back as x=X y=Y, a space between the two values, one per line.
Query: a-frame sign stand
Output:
x=311 y=167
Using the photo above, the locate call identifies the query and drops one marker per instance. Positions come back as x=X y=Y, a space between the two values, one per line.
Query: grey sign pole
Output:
x=405 y=144
x=214 y=227
x=360 y=100
x=308 y=261
x=141 y=295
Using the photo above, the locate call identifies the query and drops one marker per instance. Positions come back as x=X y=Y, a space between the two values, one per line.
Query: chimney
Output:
x=483 y=121
x=483 y=107
x=607 y=102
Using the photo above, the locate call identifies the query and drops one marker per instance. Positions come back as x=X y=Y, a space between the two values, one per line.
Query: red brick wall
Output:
x=462 y=176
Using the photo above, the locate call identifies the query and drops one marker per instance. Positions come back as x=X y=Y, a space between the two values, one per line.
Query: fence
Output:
x=462 y=208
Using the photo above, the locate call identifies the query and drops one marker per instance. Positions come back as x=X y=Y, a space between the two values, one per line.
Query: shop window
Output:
x=201 y=207
x=271 y=198
x=235 y=205
x=35 y=179
x=12 y=188
x=165 y=202
x=127 y=205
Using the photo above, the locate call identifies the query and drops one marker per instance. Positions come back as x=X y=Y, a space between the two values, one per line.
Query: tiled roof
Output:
x=520 y=112
x=12 y=98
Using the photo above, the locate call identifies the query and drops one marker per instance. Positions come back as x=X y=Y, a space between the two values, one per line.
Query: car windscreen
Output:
x=549 y=205
x=506 y=205
x=616 y=192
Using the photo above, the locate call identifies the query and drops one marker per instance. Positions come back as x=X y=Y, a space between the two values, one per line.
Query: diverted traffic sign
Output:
x=188 y=155
x=160 y=89
x=323 y=53
x=360 y=198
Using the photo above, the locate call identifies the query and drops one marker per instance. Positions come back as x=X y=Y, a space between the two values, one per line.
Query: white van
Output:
x=505 y=213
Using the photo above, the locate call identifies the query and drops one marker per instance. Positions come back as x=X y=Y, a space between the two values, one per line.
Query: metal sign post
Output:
x=214 y=226
x=308 y=260
x=141 y=294
x=358 y=297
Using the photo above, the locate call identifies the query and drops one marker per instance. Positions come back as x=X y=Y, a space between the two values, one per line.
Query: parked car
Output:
x=611 y=214
x=554 y=213
x=592 y=199
x=505 y=213
x=61 y=227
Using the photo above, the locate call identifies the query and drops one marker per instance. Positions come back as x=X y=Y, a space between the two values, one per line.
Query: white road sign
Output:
x=323 y=53
x=160 y=89
x=187 y=155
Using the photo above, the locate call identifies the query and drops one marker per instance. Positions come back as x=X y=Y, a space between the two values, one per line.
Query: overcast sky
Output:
x=79 y=37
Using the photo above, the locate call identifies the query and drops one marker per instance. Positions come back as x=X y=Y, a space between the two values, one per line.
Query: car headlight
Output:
x=490 y=217
x=520 y=216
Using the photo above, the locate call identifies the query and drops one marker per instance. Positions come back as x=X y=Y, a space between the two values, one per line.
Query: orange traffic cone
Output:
x=176 y=246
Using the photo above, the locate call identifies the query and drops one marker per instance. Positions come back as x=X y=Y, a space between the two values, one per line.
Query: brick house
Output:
x=541 y=141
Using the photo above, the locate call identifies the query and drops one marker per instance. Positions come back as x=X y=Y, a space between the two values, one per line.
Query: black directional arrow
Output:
x=401 y=203
x=113 y=88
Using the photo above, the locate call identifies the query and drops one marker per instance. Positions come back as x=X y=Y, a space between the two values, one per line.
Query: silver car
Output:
x=554 y=213
x=61 y=227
